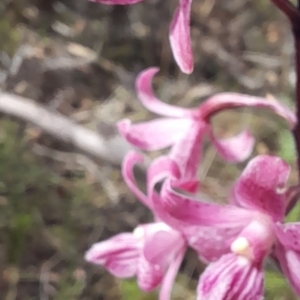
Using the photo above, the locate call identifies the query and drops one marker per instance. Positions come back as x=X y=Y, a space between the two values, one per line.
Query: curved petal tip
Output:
x=180 y=37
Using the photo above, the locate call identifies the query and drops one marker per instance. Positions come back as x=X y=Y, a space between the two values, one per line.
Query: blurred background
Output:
x=70 y=67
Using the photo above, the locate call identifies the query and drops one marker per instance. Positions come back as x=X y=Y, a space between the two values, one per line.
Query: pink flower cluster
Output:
x=233 y=239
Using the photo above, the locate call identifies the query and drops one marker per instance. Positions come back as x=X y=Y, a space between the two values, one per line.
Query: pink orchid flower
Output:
x=184 y=129
x=197 y=237
x=179 y=32
x=206 y=241
x=152 y=252
x=239 y=236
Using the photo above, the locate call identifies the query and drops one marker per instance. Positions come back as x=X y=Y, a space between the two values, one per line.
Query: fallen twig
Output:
x=106 y=145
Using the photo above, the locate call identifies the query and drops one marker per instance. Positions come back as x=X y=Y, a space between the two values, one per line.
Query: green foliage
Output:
x=23 y=186
x=286 y=146
x=28 y=194
x=294 y=215
x=9 y=37
x=17 y=231
x=70 y=285
x=130 y=290
x=277 y=287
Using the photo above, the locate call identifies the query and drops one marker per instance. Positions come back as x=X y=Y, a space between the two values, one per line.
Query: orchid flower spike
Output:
x=152 y=252
x=236 y=238
x=179 y=32
x=184 y=129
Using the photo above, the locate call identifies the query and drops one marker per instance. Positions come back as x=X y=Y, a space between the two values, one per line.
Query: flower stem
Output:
x=293 y=14
x=296 y=131
x=288 y=9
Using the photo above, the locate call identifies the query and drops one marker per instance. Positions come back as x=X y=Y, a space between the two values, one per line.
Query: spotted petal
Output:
x=207 y=235
x=210 y=243
x=289 y=235
x=231 y=277
x=260 y=187
x=290 y=264
x=209 y=228
x=193 y=211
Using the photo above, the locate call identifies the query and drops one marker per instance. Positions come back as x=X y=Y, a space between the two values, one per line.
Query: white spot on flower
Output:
x=280 y=190
x=139 y=232
x=241 y=246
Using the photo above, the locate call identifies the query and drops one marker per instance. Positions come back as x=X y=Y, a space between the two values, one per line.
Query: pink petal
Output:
x=222 y=101
x=190 y=185
x=186 y=209
x=231 y=277
x=180 y=37
x=209 y=228
x=169 y=278
x=289 y=235
x=161 y=168
x=151 y=102
x=162 y=254
x=260 y=186
x=154 y=135
x=187 y=152
x=290 y=264
x=119 y=255
x=193 y=211
x=161 y=247
x=210 y=243
x=128 y=164
x=149 y=276
x=117 y=2
x=235 y=149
